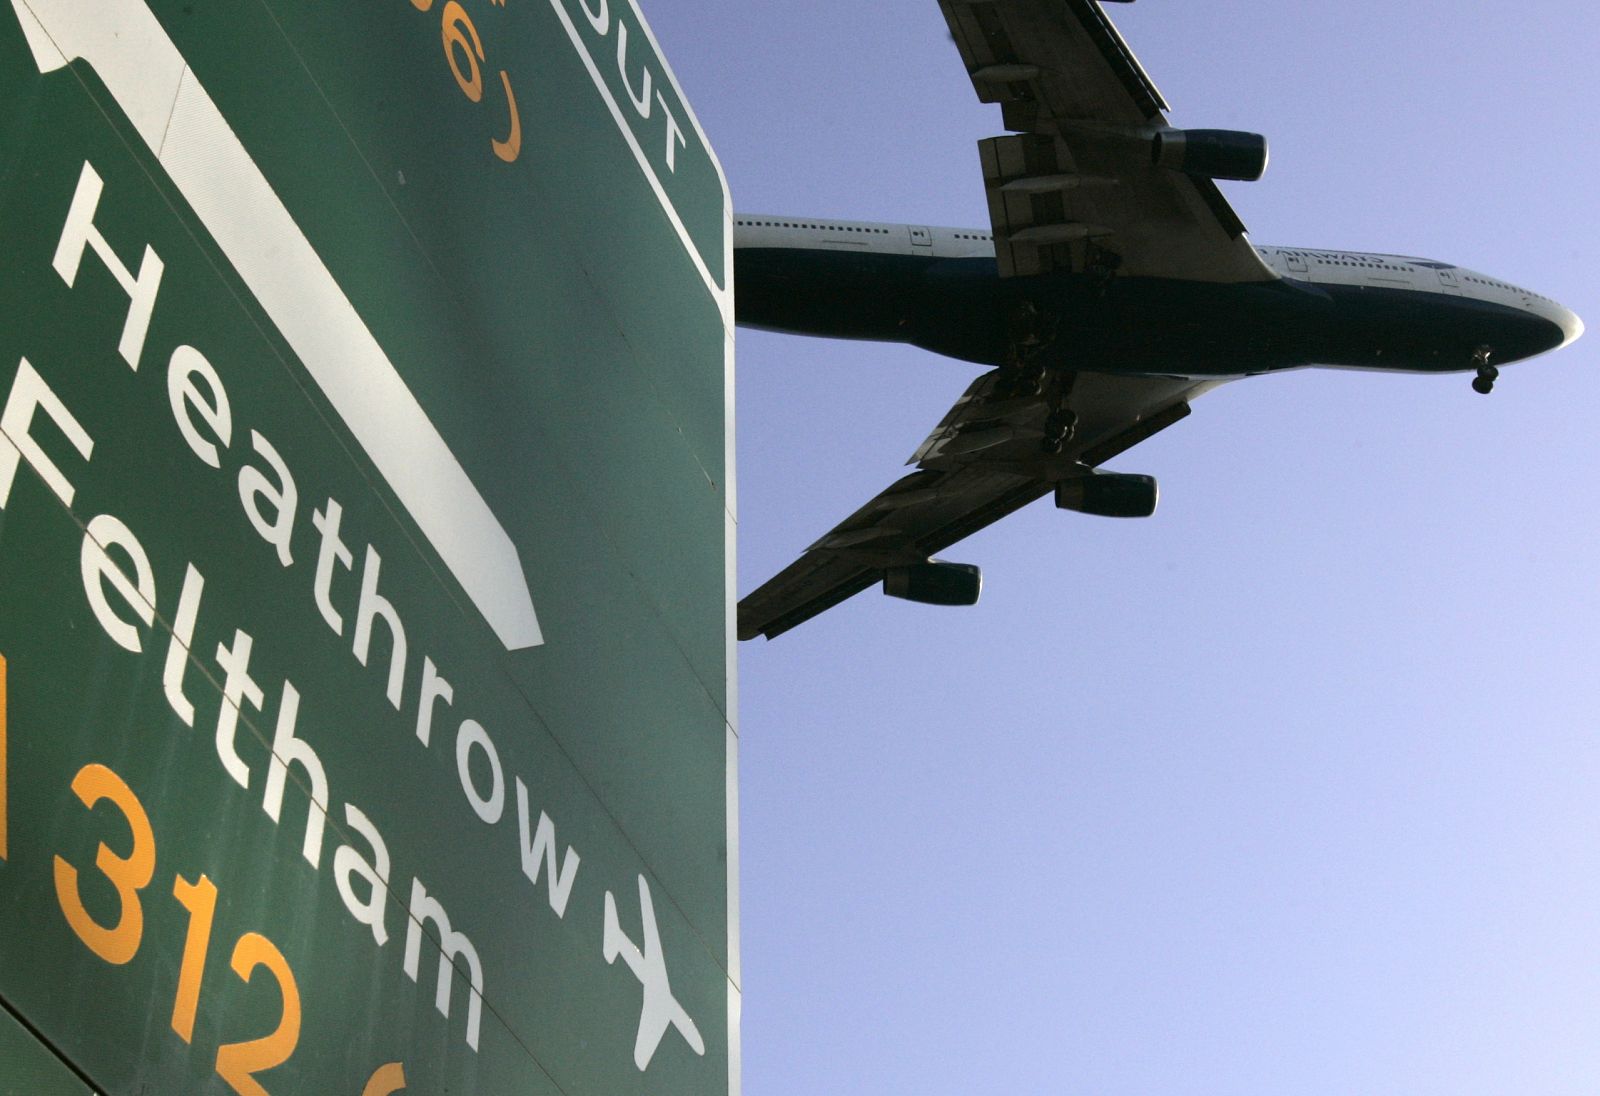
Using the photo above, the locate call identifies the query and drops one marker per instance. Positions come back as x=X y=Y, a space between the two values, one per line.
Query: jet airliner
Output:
x=1113 y=285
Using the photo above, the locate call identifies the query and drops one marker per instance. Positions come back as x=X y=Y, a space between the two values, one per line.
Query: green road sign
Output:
x=29 y=1069
x=365 y=541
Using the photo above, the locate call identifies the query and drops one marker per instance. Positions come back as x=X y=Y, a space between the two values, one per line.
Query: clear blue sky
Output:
x=1294 y=787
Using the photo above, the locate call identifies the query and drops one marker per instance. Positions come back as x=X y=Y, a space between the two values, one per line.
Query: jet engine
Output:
x=935 y=583
x=1108 y=495
x=1211 y=153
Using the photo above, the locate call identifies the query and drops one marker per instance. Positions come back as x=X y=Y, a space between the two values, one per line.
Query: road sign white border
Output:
x=723 y=294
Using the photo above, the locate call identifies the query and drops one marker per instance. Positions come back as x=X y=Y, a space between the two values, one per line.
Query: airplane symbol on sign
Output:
x=660 y=1009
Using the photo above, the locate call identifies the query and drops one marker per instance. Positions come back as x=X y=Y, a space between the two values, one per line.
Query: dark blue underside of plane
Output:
x=960 y=308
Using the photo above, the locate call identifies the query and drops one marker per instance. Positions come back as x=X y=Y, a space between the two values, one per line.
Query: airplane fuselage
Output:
x=939 y=288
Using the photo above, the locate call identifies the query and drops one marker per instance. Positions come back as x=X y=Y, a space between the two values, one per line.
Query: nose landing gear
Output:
x=1487 y=374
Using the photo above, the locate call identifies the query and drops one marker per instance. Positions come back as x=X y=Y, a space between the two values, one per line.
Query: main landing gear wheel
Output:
x=1487 y=374
x=1030 y=380
x=1059 y=427
x=1024 y=382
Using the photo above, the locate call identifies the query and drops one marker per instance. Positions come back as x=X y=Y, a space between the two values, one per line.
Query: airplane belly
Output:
x=1162 y=327
x=834 y=294
x=1207 y=329
x=1410 y=330
x=963 y=309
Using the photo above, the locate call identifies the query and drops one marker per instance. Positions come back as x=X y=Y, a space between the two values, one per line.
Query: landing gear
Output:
x=1026 y=376
x=1101 y=265
x=1059 y=426
x=1028 y=332
x=1029 y=380
x=1487 y=374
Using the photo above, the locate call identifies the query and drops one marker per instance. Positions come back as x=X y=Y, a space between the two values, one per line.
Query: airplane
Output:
x=1113 y=286
x=649 y=965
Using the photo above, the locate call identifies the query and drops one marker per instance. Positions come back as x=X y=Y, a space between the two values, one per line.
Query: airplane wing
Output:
x=1076 y=186
x=983 y=461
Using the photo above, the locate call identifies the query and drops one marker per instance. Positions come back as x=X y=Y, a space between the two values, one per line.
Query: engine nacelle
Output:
x=935 y=583
x=1211 y=153
x=1108 y=495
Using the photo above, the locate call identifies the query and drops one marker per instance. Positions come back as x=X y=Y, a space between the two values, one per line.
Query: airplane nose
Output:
x=1571 y=326
x=1557 y=325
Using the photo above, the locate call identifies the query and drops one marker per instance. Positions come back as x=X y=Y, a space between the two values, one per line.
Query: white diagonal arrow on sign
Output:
x=172 y=113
